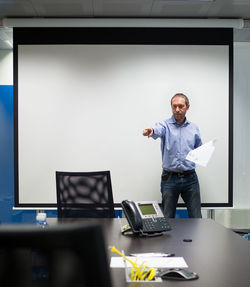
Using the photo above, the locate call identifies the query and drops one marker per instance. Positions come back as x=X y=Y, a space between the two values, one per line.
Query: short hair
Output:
x=182 y=96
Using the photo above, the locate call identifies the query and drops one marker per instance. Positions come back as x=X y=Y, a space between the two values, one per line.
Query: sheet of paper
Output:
x=157 y=262
x=202 y=154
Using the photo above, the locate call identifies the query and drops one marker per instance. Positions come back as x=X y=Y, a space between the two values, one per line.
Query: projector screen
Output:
x=82 y=107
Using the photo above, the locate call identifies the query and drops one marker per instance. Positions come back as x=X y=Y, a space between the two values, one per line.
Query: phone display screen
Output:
x=147 y=209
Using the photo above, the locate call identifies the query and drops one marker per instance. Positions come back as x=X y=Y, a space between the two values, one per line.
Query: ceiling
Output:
x=124 y=9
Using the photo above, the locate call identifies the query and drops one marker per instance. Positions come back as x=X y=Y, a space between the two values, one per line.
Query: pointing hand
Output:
x=148 y=132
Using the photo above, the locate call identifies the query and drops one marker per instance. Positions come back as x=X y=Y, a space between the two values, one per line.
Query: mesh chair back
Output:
x=84 y=194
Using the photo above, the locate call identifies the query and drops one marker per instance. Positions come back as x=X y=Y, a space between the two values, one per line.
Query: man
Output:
x=178 y=137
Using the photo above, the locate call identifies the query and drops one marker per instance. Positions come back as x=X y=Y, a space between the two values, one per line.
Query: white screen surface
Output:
x=83 y=108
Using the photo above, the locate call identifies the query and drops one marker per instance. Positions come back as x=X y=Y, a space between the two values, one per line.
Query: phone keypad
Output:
x=157 y=224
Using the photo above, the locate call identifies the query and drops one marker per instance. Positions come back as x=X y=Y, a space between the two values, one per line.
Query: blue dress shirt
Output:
x=176 y=142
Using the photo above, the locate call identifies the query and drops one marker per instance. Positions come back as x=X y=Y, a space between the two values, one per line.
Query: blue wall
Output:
x=6 y=153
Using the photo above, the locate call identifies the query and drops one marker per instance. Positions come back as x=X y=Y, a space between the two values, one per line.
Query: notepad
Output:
x=157 y=262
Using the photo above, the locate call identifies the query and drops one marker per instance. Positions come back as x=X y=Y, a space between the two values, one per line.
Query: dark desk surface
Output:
x=220 y=256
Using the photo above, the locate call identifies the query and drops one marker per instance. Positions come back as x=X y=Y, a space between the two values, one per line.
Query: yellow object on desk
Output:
x=138 y=272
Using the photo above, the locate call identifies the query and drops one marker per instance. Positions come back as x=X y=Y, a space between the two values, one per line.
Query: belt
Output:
x=180 y=173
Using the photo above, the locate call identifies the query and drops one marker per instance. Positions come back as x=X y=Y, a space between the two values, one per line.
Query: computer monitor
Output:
x=65 y=255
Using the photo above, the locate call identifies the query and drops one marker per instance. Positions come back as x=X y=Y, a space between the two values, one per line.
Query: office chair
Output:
x=63 y=255
x=84 y=194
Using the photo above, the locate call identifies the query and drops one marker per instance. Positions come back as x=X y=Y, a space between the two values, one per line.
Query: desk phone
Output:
x=145 y=217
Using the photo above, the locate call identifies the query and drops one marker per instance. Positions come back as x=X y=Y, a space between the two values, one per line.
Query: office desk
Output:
x=217 y=254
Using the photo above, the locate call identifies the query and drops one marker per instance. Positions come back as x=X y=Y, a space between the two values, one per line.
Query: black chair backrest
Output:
x=84 y=194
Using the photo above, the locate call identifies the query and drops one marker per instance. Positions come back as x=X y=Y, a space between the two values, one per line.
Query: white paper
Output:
x=202 y=154
x=157 y=262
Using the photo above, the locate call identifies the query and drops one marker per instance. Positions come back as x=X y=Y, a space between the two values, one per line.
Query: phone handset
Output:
x=132 y=215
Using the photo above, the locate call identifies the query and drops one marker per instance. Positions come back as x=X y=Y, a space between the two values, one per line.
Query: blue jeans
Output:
x=188 y=187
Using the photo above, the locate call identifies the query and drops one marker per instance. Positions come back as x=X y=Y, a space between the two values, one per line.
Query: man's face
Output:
x=179 y=109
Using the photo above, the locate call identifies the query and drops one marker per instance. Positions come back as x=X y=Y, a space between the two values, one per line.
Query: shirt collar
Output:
x=172 y=120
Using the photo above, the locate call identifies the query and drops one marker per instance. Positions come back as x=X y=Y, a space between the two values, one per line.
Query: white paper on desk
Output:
x=157 y=262
x=202 y=154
